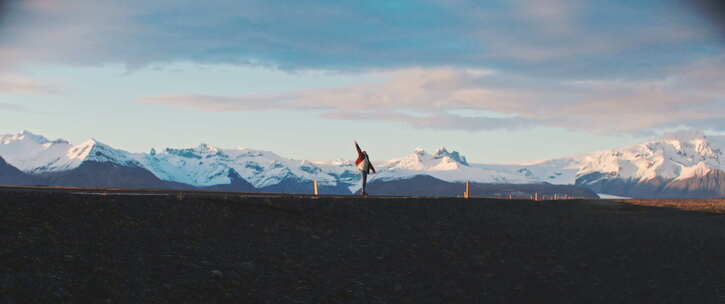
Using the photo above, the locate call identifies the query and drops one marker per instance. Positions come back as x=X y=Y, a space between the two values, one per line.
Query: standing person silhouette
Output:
x=365 y=166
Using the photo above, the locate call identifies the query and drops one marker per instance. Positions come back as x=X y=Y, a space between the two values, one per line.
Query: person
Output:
x=364 y=165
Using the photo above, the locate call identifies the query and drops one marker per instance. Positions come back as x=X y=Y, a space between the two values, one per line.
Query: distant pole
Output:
x=536 y=196
x=509 y=196
x=467 y=194
x=314 y=186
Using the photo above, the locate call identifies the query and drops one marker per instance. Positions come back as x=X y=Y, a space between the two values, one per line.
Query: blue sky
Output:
x=500 y=81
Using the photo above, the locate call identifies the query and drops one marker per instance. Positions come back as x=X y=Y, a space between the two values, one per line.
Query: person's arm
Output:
x=371 y=166
x=359 y=151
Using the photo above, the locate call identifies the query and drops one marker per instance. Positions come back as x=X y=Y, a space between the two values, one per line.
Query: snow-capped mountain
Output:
x=202 y=166
x=652 y=168
x=685 y=163
x=677 y=164
x=445 y=165
x=207 y=165
x=36 y=154
x=675 y=156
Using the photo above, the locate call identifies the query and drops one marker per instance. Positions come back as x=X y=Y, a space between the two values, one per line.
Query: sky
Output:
x=499 y=81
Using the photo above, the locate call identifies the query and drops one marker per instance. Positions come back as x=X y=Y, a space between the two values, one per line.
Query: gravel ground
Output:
x=705 y=204
x=61 y=248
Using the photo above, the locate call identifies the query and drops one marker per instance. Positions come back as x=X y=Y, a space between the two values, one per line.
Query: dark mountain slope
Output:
x=10 y=175
x=711 y=185
x=106 y=174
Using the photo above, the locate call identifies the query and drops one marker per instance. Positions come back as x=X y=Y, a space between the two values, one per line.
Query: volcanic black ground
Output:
x=59 y=247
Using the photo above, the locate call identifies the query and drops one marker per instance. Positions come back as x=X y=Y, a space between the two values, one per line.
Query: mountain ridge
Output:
x=680 y=163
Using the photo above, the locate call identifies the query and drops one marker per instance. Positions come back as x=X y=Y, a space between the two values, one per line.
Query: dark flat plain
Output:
x=60 y=247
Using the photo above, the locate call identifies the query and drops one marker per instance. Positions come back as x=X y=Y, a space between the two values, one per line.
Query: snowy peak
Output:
x=29 y=140
x=446 y=165
x=443 y=153
x=36 y=154
x=420 y=160
x=90 y=150
x=692 y=142
x=100 y=152
x=31 y=152
x=82 y=151
x=207 y=165
x=679 y=156
x=674 y=156
x=27 y=136
x=682 y=164
x=202 y=151
x=207 y=149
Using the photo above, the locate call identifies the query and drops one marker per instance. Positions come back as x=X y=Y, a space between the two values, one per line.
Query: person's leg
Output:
x=365 y=182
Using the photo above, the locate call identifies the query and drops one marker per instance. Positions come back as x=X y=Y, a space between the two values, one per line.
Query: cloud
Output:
x=684 y=95
x=69 y=32
x=19 y=84
x=595 y=65
x=555 y=37
x=414 y=88
x=208 y=103
x=439 y=121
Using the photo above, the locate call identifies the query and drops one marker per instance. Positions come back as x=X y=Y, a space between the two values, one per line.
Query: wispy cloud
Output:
x=683 y=95
x=19 y=84
x=439 y=121
x=208 y=103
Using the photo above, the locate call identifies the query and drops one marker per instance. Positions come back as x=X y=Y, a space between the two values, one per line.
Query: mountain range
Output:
x=682 y=164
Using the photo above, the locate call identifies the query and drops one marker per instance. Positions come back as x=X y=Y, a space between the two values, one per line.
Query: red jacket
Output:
x=361 y=156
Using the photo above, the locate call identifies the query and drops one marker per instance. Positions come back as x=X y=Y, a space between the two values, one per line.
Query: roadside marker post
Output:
x=467 y=194
x=314 y=188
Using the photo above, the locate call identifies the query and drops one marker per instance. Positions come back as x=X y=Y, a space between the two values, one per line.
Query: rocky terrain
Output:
x=84 y=247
